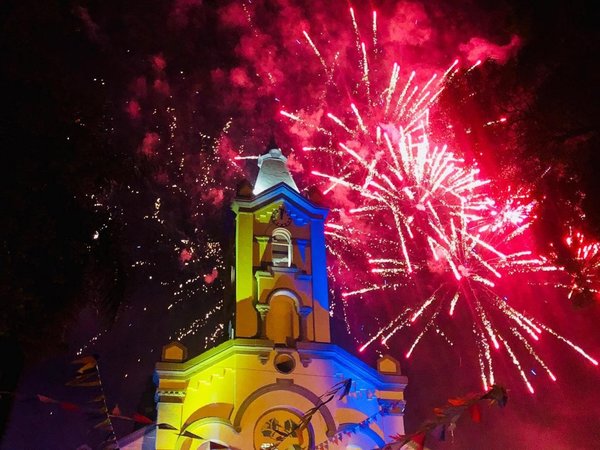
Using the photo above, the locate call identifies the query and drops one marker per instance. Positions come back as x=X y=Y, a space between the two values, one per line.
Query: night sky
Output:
x=125 y=130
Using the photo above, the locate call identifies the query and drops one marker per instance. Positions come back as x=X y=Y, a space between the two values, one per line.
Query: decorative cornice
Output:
x=318 y=350
x=170 y=396
x=277 y=192
x=306 y=351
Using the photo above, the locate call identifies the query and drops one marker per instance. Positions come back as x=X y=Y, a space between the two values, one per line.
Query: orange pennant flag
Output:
x=88 y=362
x=80 y=380
x=457 y=401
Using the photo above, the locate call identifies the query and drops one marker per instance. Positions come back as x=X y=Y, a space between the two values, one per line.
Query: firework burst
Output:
x=419 y=211
x=584 y=267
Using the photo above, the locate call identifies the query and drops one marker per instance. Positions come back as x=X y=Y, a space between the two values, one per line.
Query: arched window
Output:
x=283 y=322
x=281 y=248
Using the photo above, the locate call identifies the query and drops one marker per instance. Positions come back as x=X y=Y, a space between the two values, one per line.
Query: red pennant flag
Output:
x=419 y=439
x=116 y=411
x=439 y=412
x=475 y=411
x=44 y=399
x=67 y=406
x=141 y=419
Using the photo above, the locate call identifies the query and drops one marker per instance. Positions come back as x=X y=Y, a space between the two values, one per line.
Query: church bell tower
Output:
x=264 y=388
x=280 y=272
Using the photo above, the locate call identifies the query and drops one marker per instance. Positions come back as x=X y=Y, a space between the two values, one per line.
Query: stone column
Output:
x=263 y=309
x=304 y=312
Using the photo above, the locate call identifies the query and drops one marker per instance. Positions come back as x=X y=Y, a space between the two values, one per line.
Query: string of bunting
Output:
x=88 y=375
x=445 y=417
x=343 y=388
x=74 y=407
x=338 y=437
x=95 y=411
x=444 y=420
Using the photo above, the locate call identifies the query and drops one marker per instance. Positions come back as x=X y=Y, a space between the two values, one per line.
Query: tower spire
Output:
x=273 y=169
x=272 y=143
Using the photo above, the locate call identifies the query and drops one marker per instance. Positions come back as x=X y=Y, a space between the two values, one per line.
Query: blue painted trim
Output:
x=276 y=192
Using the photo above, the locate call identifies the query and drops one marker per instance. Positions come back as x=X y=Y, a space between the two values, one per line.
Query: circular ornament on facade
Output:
x=280 y=429
x=284 y=362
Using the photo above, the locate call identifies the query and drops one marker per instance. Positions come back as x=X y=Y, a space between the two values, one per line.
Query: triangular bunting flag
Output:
x=457 y=401
x=44 y=399
x=84 y=360
x=347 y=387
x=88 y=362
x=99 y=398
x=190 y=435
x=83 y=377
x=141 y=419
x=475 y=412
x=419 y=439
x=104 y=425
x=68 y=406
x=88 y=379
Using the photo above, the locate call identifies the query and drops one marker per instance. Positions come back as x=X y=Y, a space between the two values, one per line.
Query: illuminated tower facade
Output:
x=252 y=391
